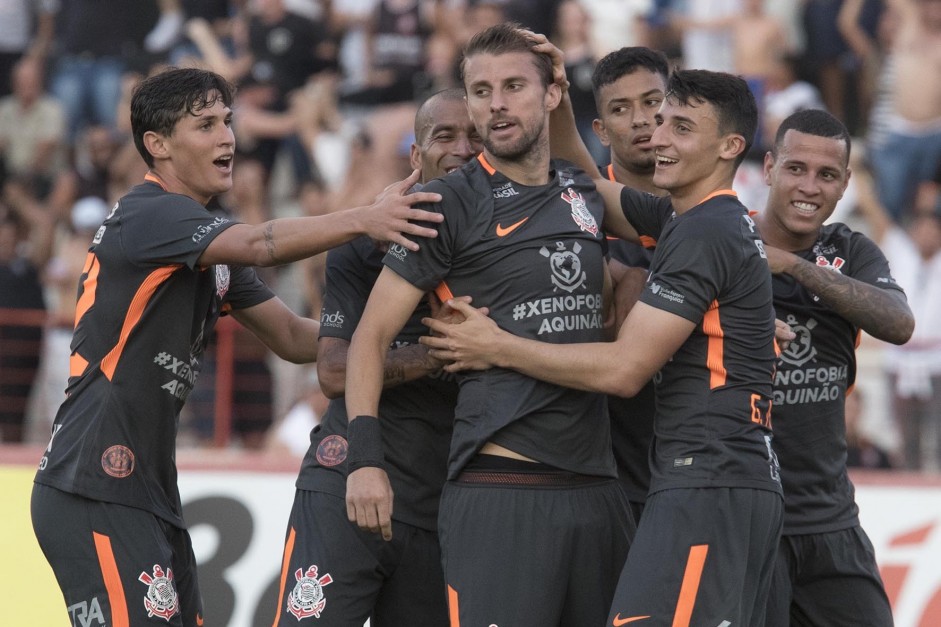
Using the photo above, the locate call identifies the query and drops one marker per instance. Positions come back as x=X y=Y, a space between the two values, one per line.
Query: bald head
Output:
x=445 y=137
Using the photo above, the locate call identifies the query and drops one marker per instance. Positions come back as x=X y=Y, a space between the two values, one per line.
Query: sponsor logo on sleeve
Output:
x=334 y=319
x=84 y=612
x=205 y=229
x=398 y=251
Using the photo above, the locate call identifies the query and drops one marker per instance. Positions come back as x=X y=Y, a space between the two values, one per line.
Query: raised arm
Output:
x=566 y=143
x=284 y=240
x=882 y=313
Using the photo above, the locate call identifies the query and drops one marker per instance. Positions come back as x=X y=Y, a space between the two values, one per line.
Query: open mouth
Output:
x=641 y=139
x=805 y=208
x=499 y=127
x=224 y=162
x=663 y=161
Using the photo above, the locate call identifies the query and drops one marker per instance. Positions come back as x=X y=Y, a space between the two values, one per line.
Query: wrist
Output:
x=364 y=438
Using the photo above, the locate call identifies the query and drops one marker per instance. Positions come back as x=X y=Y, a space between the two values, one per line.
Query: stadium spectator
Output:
x=26 y=28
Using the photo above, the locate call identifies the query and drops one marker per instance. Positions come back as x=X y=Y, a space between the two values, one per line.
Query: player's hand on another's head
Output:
x=469 y=345
x=542 y=45
x=393 y=216
x=369 y=500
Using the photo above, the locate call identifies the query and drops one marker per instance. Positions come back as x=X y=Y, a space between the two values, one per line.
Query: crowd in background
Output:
x=327 y=92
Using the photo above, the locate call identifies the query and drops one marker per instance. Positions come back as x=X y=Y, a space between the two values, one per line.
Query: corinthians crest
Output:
x=161 y=599
x=580 y=213
x=801 y=349
x=307 y=598
x=567 y=273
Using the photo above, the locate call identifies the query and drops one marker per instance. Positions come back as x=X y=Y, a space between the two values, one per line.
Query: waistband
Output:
x=552 y=479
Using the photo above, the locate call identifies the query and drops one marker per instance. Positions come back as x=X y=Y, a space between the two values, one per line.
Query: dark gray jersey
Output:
x=144 y=315
x=534 y=256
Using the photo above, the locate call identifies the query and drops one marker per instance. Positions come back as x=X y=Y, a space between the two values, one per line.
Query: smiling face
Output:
x=690 y=151
x=508 y=103
x=446 y=141
x=807 y=177
x=627 y=111
x=196 y=158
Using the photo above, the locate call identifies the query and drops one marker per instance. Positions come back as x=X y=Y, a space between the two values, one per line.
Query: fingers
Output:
x=421 y=215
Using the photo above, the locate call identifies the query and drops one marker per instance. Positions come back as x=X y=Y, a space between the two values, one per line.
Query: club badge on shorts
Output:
x=307 y=598
x=161 y=599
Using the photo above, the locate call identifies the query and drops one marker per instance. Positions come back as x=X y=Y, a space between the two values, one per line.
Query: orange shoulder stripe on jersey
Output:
x=285 y=565
x=153 y=178
x=134 y=313
x=443 y=292
x=690 y=585
x=483 y=161
x=715 y=350
x=719 y=192
x=453 y=610
x=645 y=240
x=109 y=572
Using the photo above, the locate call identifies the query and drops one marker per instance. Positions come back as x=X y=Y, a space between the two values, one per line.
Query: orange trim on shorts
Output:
x=134 y=313
x=483 y=161
x=109 y=572
x=690 y=586
x=285 y=565
x=453 y=610
x=715 y=352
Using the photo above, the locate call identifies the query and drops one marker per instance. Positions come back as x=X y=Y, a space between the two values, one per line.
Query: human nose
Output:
x=464 y=147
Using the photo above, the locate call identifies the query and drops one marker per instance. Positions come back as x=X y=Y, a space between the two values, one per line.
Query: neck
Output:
x=691 y=195
x=641 y=181
x=529 y=169
x=775 y=235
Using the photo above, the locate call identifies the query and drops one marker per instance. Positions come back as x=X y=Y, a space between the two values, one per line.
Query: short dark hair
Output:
x=505 y=38
x=162 y=100
x=423 y=116
x=729 y=95
x=627 y=60
x=813 y=122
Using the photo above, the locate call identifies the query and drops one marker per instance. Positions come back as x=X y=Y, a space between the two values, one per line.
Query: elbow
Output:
x=904 y=331
x=621 y=382
x=332 y=381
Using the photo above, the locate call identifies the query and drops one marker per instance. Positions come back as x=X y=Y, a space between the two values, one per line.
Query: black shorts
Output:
x=119 y=563
x=524 y=556
x=339 y=575
x=828 y=579
x=702 y=556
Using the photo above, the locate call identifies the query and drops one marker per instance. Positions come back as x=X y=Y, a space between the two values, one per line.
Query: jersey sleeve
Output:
x=246 y=288
x=177 y=230
x=648 y=214
x=870 y=264
x=425 y=268
x=347 y=290
x=690 y=268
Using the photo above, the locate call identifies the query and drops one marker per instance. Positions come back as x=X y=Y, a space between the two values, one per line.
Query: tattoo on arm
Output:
x=269 y=241
x=884 y=314
x=406 y=363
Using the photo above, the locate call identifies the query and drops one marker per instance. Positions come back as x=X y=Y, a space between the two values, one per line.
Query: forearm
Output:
x=364 y=376
x=880 y=313
x=593 y=367
x=407 y=363
x=564 y=140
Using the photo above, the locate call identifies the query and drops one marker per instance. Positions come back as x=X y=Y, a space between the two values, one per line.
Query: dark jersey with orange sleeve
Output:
x=417 y=415
x=712 y=427
x=810 y=385
x=144 y=315
x=534 y=256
